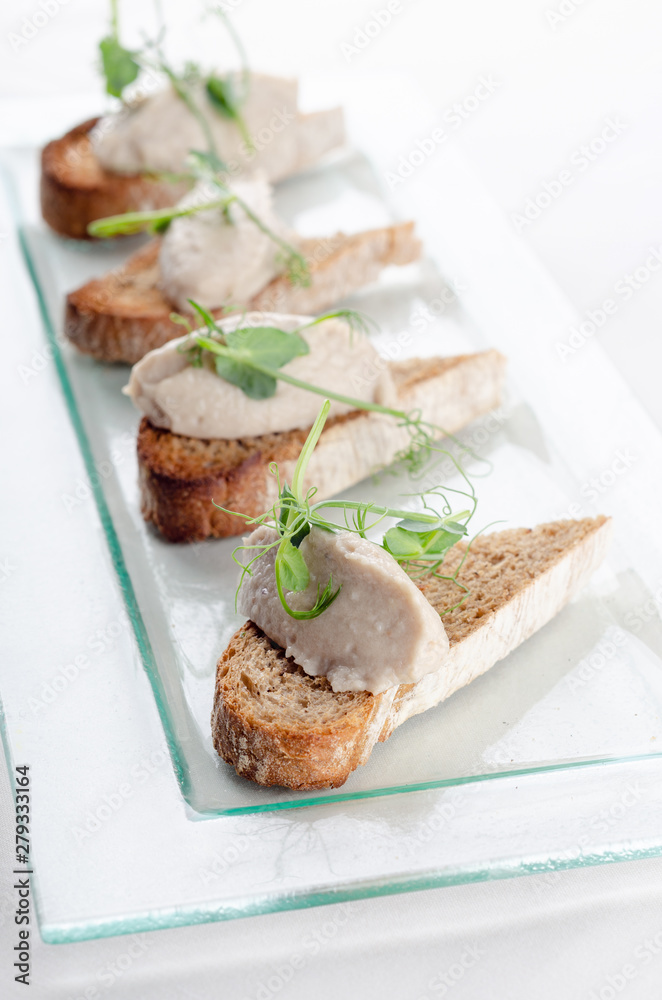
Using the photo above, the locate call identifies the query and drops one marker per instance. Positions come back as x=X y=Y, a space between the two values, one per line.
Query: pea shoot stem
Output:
x=114 y=19
x=135 y=222
x=279 y=374
x=304 y=457
x=159 y=218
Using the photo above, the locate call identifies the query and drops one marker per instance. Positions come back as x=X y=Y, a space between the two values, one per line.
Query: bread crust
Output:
x=75 y=189
x=181 y=478
x=126 y=313
x=277 y=754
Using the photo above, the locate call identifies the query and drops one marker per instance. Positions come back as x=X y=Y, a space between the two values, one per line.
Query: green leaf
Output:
x=455 y=527
x=402 y=544
x=119 y=66
x=293 y=572
x=325 y=598
x=439 y=542
x=267 y=345
x=242 y=352
x=285 y=512
x=224 y=98
x=155 y=220
x=129 y=223
x=411 y=524
x=411 y=539
x=160 y=226
x=253 y=383
x=220 y=92
x=206 y=317
x=205 y=165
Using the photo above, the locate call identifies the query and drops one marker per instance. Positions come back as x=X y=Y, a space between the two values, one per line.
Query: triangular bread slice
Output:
x=180 y=476
x=278 y=726
x=75 y=189
x=125 y=314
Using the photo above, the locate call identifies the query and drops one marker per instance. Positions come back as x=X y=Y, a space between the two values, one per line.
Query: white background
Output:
x=557 y=80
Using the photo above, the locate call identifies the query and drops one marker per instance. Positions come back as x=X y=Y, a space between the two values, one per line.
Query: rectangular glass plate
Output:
x=536 y=709
x=563 y=699
x=533 y=710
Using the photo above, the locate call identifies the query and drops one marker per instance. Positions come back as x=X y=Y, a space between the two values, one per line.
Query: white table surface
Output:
x=577 y=934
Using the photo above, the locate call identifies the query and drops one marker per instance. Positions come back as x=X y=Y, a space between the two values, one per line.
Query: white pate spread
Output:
x=218 y=261
x=379 y=632
x=158 y=132
x=198 y=403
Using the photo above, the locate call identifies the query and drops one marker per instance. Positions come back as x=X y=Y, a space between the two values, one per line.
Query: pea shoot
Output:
x=205 y=167
x=226 y=94
x=120 y=66
x=419 y=542
x=253 y=359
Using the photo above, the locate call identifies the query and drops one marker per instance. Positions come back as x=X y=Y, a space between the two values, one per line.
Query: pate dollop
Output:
x=198 y=403
x=379 y=632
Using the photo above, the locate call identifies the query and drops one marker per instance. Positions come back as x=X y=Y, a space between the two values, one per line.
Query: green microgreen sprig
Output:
x=223 y=93
x=120 y=66
x=252 y=357
x=419 y=542
x=155 y=221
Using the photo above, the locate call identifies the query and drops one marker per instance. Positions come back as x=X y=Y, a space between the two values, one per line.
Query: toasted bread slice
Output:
x=76 y=189
x=278 y=726
x=180 y=476
x=125 y=314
